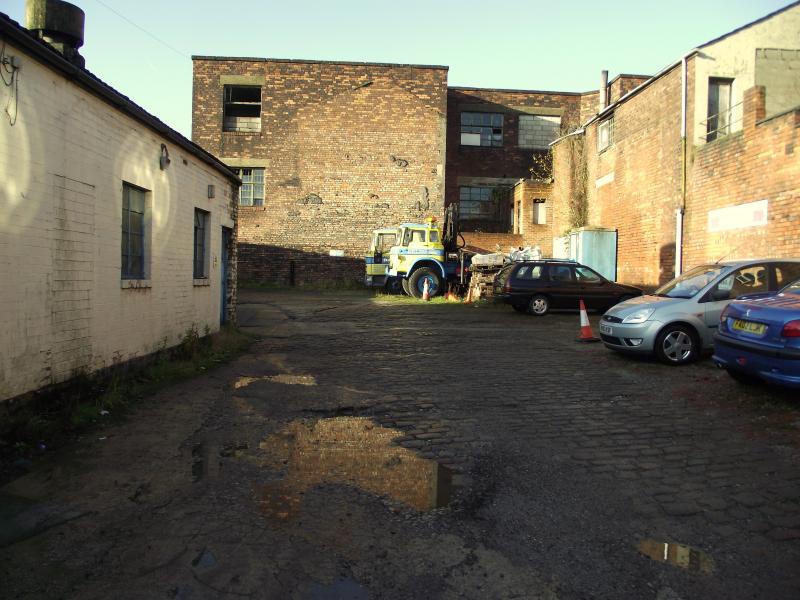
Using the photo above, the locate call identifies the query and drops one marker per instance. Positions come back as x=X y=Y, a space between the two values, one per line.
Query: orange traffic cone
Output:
x=586 y=335
x=426 y=290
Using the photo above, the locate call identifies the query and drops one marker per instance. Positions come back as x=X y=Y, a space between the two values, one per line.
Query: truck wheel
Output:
x=416 y=282
x=404 y=285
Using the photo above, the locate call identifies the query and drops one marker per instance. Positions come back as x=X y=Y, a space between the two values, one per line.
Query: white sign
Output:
x=740 y=216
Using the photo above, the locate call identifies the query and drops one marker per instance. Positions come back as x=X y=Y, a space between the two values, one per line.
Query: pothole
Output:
x=351 y=451
x=678 y=555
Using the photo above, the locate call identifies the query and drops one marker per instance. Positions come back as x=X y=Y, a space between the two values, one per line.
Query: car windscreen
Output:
x=792 y=288
x=689 y=284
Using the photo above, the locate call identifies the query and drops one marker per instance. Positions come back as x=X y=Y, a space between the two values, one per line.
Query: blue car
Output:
x=759 y=338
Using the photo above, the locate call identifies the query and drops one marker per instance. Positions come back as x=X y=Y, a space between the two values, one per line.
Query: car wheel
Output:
x=743 y=378
x=539 y=305
x=519 y=309
x=404 y=285
x=677 y=345
x=416 y=283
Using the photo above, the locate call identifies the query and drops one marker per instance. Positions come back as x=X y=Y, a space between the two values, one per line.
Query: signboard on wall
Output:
x=740 y=216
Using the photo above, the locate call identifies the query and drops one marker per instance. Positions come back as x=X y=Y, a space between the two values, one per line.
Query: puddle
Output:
x=341 y=589
x=285 y=378
x=678 y=555
x=351 y=451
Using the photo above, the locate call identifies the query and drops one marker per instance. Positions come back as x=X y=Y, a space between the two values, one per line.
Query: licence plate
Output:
x=605 y=329
x=749 y=326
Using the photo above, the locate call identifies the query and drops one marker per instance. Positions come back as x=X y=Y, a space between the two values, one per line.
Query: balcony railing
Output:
x=721 y=124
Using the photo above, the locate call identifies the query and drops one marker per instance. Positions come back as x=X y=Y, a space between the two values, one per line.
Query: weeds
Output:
x=80 y=403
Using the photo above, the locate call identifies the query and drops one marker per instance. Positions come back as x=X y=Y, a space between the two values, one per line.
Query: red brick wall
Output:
x=645 y=162
x=525 y=192
x=758 y=163
x=346 y=148
x=490 y=241
x=509 y=161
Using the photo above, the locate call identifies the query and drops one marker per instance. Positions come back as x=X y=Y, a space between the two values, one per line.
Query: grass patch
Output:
x=49 y=418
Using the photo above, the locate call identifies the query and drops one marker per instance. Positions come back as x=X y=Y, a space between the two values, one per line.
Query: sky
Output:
x=555 y=45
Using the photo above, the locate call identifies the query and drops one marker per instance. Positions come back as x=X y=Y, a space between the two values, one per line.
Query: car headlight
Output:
x=640 y=316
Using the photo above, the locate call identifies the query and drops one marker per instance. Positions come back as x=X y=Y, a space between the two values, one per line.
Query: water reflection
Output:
x=679 y=555
x=353 y=451
x=285 y=378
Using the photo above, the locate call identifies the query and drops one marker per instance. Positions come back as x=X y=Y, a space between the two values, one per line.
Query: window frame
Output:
x=713 y=130
x=607 y=125
x=248 y=183
x=133 y=266
x=202 y=231
x=495 y=137
x=229 y=102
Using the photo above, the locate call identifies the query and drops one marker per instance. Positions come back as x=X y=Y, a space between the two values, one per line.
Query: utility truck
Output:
x=421 y=253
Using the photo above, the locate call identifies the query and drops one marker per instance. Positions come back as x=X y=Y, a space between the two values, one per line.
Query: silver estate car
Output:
x=677 y=321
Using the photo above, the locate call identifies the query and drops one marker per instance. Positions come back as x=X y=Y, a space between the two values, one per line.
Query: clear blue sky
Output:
x=522 y=44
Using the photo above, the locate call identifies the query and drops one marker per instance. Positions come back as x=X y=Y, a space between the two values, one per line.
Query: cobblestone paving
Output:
x=300 y=470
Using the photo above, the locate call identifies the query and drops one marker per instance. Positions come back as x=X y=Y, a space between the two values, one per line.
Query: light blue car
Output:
x=678 y=321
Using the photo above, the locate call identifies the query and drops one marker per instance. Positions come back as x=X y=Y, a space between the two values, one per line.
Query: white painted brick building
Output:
x=89 y=279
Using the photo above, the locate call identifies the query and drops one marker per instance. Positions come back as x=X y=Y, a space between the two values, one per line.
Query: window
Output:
x=605 y=134
x=433 y=236
x=252 y=191
x=749 y=280
x=785 y=273
x=201 y=231
x=586 y=275
x=539 y=212
x=719 y=108
x=475 y=201
x=133 y=239
x=242 y=108
x=560 y=273
x=537 y=131
x=529 y=272
x=481 y=129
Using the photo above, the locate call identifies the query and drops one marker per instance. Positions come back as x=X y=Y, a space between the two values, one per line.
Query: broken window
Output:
x=605 y=133
x=242 y=108
x=133 y=223
x=252 y=191
x=201 y=231
x=719 y=108
x=481 y=129
x=475 y=202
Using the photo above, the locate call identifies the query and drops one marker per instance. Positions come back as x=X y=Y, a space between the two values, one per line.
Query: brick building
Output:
x=327 y=151
x=117 y=234
x=696 y=163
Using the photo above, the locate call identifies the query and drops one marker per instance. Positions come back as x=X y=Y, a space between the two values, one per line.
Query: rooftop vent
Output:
x=59 y=24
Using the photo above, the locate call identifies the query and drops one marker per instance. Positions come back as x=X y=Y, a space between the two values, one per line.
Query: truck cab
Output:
x=419 y=257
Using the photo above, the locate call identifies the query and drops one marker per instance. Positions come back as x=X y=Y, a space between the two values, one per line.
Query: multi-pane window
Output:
x=200 y=234
x=133 y=222
x=605 y=133
x=475 y=201
x=242 y=108
x=481 y=129
x=719 y=108
x=252 y=191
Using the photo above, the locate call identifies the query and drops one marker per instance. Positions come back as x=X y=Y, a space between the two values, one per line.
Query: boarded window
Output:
x=537 y=131
x=200 y=244
x=605 y=134
x=539 y=212
x=242 y=108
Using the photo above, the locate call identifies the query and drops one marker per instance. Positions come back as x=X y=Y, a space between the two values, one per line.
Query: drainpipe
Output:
x=679 y=213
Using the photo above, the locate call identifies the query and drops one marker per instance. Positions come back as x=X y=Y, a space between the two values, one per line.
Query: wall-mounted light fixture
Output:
x=164 y=160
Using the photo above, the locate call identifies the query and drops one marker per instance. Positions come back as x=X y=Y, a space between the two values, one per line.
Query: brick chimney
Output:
x=755 y=106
